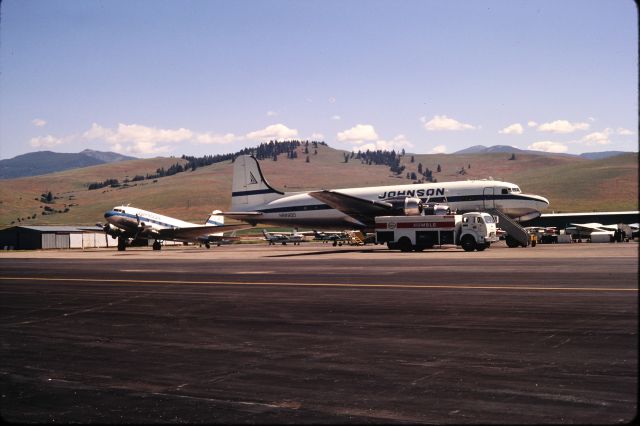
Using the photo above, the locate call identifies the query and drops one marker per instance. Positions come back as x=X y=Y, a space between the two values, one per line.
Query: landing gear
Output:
x=512 y=242
x=122 y=244
x=157 y=245
x=207 y=245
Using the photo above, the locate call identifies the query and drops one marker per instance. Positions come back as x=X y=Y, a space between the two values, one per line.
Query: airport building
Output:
x=54 y=237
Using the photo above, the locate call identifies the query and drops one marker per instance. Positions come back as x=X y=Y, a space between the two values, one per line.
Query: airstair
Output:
x=513 y=228
x=355 y=238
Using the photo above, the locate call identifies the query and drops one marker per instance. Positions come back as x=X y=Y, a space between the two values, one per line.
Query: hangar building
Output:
x=53 y=237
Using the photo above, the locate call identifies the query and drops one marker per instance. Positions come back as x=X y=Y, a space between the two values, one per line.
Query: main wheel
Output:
x=468 y=243
x=512 y=242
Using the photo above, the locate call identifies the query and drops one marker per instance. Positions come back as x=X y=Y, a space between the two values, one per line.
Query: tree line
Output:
x=263 y=151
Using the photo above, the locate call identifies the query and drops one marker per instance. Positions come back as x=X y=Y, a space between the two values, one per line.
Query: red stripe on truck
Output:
x=426 y=225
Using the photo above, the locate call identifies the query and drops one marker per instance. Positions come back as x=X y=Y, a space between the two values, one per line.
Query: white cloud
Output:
x=442 y=122
x=38 y=122
x=211 y=138
x=597 y=138
x=514 y=129
x=397 y=143
x=438 y=149
x=273 y=132
x=562 y=126
x=272 y=113
x=139 y=139
x=532 y=123
x=336 y=117
x=548 y=146
x=624 y=132
x=358 y=134
x=317 y=137
x=46 y=141
x=148 y=135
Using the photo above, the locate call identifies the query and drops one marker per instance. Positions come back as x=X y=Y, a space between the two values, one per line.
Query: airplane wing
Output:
x=194 y=232
x=590 y=226
x=364 y=211
x=241 y=214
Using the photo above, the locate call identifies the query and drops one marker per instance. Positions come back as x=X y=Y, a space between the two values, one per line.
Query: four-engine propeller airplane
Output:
x=253 y=200
x=124 y=222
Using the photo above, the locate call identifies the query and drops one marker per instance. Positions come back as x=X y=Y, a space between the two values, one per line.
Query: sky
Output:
x=199 y=77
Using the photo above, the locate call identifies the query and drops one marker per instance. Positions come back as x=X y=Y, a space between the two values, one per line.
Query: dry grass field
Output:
x=570 y=183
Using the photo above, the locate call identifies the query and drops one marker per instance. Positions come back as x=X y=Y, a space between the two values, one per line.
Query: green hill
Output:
x=570 y=183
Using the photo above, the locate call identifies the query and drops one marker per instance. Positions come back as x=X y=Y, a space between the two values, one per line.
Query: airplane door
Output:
x=488 y=199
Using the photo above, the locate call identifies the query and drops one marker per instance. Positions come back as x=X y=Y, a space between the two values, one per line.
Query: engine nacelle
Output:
x=113 y=231
x=407 y=206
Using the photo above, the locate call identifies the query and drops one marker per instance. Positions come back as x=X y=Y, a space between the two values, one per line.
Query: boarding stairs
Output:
x=513 y=228
x=355 y=239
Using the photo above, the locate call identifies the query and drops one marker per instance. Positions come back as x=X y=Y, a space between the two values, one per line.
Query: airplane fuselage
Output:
x=301 y=209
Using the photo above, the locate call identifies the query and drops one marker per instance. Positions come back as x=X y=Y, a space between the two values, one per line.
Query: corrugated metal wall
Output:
x=55 y=241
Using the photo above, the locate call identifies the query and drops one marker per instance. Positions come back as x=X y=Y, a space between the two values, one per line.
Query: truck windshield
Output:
x=488 y=218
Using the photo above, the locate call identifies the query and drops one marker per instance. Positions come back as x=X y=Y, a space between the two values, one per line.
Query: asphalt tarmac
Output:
x=317 y=334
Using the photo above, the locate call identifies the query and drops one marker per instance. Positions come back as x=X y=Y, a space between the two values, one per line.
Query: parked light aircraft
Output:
x=335 y=237
x=282 y=238
x=253 y=200
x=126 y=222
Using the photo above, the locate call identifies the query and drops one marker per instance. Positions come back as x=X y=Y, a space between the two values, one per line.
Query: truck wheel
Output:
x=468 y=243
x=404 y=244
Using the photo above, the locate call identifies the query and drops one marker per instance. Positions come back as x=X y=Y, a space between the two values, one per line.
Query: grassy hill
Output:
x=570 y=183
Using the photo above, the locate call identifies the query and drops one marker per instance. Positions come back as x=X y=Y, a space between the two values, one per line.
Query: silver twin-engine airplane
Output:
x=253 y=200
x=126 y=222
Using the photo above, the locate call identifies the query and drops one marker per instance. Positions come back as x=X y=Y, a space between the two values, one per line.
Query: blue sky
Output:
x=148 y=78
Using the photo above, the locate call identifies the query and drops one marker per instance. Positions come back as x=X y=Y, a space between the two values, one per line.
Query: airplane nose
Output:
x=108 y=214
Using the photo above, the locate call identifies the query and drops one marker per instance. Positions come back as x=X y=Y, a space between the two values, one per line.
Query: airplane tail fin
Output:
x=215 y=219
x=249 y=187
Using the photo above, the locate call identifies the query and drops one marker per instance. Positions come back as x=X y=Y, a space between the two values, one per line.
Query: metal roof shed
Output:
x=44 y=237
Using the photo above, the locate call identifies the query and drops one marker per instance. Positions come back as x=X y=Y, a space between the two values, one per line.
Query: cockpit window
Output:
x=118 y=210
x=516 y=189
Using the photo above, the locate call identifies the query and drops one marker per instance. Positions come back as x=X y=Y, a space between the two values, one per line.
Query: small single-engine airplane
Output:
x=335 y=237
x=125 y=222
x=282 y=238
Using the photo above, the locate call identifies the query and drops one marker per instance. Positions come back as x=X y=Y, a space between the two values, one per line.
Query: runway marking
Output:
x=285 y=284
